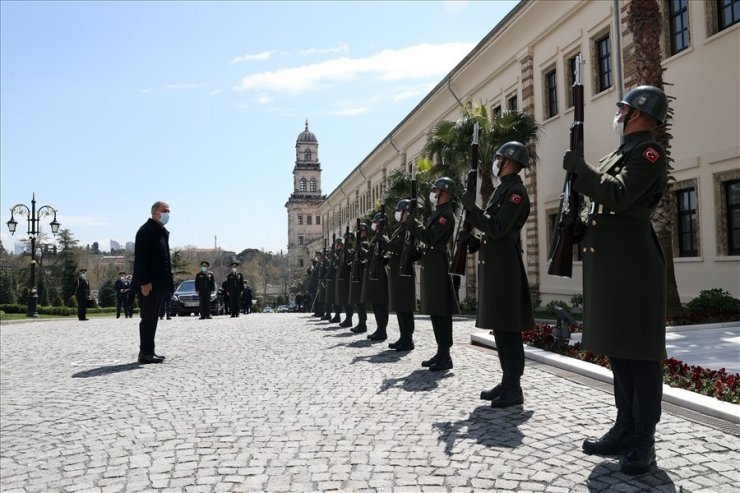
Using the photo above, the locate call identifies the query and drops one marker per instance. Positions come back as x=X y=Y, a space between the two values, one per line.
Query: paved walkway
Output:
x=282 y=402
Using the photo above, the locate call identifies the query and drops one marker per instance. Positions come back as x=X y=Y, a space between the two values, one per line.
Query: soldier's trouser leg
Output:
x=82 y=309
x=234 y=305
x=638 y=388
x=203 y=306
x=148 y=326
x=381 y=316
x=361 y=312
x=510 y=348
x=406 y=322
x=349 y=311
x=118 y=307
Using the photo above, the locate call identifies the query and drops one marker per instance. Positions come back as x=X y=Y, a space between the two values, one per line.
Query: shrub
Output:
x=470 y=304
x=576 y=300
x=712 y=301
x=72 y=301
x=551 y=306
x=58 y=301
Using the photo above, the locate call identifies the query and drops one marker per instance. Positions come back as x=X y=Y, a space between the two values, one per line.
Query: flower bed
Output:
x=713 y=383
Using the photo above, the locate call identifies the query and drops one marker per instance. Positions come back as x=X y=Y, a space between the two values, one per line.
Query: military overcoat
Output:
x=624 y=277
x=321 y=287
x=356 y=272
x=437 y=291
x=331 y=279
x=342 y=285
x=504 y=300
x=401 y=289
x=374 y=291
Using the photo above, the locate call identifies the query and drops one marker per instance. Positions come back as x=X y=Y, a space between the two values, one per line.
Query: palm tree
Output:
x=641 y=15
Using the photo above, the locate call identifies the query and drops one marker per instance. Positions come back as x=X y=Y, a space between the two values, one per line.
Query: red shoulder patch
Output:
x=515 y=198
x=651 y=154
x=442 y=220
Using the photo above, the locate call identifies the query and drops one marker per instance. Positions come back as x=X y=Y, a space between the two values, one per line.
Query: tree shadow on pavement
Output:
x=488 y=426
x=416 y=381
x=106 y=370
x=387 y=356
x=604 y=476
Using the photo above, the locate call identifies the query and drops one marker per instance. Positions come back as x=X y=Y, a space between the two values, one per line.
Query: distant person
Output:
x=204 y=286
x=247 y=299
x=121 y=287
x=152 y=276
x=82 y=293
x=131 y=295
x=235 y=286
x=227 y=300
x=166 y=306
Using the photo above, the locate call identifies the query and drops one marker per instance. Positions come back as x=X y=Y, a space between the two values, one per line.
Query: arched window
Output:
x=313 y=184
x=307 y=155
x=300 y=262
x=302 y=185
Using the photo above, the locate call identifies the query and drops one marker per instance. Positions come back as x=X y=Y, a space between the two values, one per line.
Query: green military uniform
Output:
x=375 y=291
x=503 y=290
x=401 y=289
x=624 y=282
x=330 y=291
x=344 y=258
x=321 y=289
x=357 y=278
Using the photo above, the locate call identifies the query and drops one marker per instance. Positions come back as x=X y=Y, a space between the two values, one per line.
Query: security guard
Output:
x=375 y=291
x=438 y=299
x=506 y=303
x=82 y=293
x=122 y=287
x=235 y=285
x=401 y=289
x=357 y=275
x=204 y=286
x=343 y=279
x=624 y=300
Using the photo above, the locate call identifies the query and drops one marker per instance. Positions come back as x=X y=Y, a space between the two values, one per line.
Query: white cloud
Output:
x=342 y=48
x=264 y=99
x=415 y=62
x=265 y=55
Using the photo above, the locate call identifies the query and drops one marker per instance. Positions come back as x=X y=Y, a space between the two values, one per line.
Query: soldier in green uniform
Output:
x=331 y=277
x=235 y=286
x=624 y=277
x=320 y=272
x=401 y=289
x=503 y=290
x=344 y=281
x=438 y=298
x=357 y=275
x=204 y=286
x=375 y=291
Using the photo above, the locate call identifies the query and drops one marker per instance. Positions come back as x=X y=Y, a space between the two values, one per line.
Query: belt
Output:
x=637 y=211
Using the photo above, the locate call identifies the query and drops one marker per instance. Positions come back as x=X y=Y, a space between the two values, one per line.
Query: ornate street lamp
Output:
x=34 y=217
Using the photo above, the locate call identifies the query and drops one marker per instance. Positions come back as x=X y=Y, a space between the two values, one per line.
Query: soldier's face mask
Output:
x=433 y=197
x=398 y=215
x=203 y=269
x=374 y=226
x=233 y=269
x=496 y=167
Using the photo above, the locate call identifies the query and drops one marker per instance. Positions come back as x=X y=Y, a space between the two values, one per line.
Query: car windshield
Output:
x=186 y=287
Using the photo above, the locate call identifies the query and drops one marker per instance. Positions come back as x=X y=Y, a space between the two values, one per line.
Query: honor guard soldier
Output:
x=624 y=274
x=320 y=271
x=357 y=275
x=313 y=283
x=375 y=291
x=331 y=278
x=401 y=289
x=122 y=287
x=82 y=293
x=438 y=299
x=340 y=279
x=503 y=289
x=343 y=279
x=204 y=286
x=235 y=285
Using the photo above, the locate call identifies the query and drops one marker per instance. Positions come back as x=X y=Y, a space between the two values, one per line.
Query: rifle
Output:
x=356 y=265
x=564 y=237
x=376 y=262
x=322 y=272
x=459 y=259
x=406 y=268
x=341 y=275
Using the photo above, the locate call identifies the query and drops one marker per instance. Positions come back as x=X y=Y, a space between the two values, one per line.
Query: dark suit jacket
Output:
x=152 y=263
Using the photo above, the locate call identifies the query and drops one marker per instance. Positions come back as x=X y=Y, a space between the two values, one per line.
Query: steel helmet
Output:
x=514 y=151
x=403 y=205
x=649 y=100
x=444 y=184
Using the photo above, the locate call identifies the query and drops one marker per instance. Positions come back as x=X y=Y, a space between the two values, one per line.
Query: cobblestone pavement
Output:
x=283 y=402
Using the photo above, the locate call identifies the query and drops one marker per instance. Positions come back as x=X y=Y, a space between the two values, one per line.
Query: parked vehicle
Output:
x=283 y=309
x=185 y=300
x=267 y=309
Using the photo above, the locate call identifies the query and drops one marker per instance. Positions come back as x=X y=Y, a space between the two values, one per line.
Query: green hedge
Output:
x=54 y=310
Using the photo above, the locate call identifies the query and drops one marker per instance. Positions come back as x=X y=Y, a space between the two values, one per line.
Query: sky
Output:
x=107 y=107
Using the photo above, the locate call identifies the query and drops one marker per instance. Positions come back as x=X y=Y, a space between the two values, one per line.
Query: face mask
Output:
x=432 y=198
x=398 y=215
x=496 y=168
x=164 y=218
x=233 y=269
x=203 y=269
x=83 y=275
x=374 y=226
x=123 y=278
x=617 y=125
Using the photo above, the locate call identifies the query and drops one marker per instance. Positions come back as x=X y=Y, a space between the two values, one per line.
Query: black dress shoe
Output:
x=359 y=329
x=641 y=455
x=346 y=324
x=427 y=362
x=394 y=345
x=616 y=441
x=405 y=346
x=335 y=319
x=378 y=336
x=160 y=356
x=146 y=359
x=441 y=364
x=509 y=396
x=489 y=395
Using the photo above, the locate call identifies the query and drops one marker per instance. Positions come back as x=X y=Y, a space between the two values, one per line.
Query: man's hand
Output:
x=573 y=161
x=468 y=200
x=146 y=289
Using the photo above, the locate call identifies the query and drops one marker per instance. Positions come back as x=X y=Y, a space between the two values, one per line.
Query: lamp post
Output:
x=34 y=217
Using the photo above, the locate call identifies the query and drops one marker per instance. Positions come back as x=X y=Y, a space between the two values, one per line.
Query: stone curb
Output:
x=680 y=397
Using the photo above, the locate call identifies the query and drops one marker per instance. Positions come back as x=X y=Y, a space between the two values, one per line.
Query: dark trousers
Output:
x=638 y=388
x=234 y=298
x=205 y=304
x=122 y=302
x=149 y=317
x=442 y=326
x=349 y=311
x=361 y=312
x=406 y=322
x=82 y=308
x=381 y=315
x=510 y=348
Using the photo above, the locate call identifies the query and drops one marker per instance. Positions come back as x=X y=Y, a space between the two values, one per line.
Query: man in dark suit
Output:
x=122 y=286
x=82 y=293
x=152 y=276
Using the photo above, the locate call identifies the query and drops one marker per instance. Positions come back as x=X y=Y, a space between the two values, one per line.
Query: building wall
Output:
x=539 y=36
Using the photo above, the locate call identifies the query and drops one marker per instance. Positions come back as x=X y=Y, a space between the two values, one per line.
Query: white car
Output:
x=283 y=309
x=267 y=309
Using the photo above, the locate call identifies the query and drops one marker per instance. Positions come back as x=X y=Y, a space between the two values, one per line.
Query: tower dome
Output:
x=306 y=135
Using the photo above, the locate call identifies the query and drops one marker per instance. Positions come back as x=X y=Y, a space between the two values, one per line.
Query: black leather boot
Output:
x=346 y=323
x=360 y=328
x=489 y=395
x=335 y=319
x=511 y=395
x=405 y=343
x=427 y=362
x=616 y=441
x=378 y=335
x=394 y=345
x=641 y=455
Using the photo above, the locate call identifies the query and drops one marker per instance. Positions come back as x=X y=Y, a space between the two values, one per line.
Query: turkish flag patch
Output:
x=442 y=220
x=516 y=198
x=651 y=154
